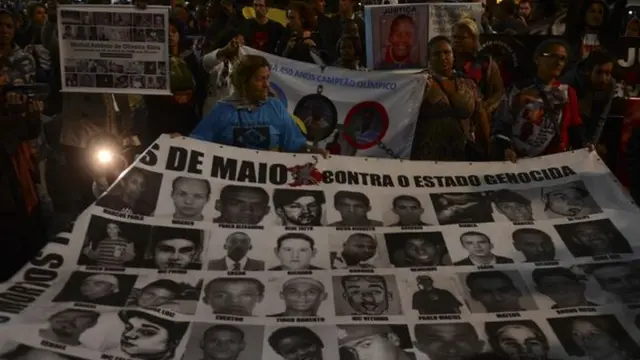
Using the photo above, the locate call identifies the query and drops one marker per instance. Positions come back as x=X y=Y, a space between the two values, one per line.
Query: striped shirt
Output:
x=110 y=251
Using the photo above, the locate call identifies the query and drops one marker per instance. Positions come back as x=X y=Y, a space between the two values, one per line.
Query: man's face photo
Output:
x=154 y=296
x=515 y=211
x=562 y=289
x=448 y=341
x=189 y=197
x=359 y=247
x=97 y=286
x=367 y=295
x=303 y=295
x=593 y=237
x=304 y=211
x=133 y=185
x=222 y=344
x=402 y=39
x=352 y=211
x=376 y=346
x=594 y=341
x=408 y=211
x=535 y=247
x=233 y=297
x=421 y=251
x=174 y=253
x=243 y=207
x=620 y=280
x=520 y=342
x=71 y=324
x=295 y=254
x=477 y=245
x=496 y=294
x=142 y=338
x=299 y=347
x=237 y=246
x=567 y=202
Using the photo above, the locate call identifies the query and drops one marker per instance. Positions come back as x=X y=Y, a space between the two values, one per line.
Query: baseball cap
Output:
x=303 y=280
x=349 y=333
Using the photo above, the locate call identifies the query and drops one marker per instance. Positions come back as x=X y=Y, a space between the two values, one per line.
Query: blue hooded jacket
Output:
x=267 y=127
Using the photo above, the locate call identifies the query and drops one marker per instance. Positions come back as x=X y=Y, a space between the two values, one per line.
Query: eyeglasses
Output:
x=554 y=56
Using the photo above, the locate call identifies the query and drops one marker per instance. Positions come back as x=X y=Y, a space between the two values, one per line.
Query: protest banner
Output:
x=397 y=34
x=360 y=113
x=114 y=49
x=255 y=255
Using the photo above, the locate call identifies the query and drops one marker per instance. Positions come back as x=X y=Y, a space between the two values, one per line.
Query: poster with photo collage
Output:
x=114 y=49
x=201 y=251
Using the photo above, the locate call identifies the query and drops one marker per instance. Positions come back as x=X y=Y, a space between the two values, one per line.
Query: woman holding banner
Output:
x=481 y=68
x=450 y=109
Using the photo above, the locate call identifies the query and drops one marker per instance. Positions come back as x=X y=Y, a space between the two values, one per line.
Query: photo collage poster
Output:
x=115 y=49
x=201 y=251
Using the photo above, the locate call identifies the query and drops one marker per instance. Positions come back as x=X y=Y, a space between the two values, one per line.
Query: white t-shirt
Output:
x=590 y=42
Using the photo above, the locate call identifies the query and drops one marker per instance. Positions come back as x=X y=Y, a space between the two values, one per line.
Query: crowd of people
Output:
x=469 y=111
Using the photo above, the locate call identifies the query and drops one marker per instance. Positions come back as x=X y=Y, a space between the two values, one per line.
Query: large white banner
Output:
x=360 y=113
x=201 y=251
x=114 y=49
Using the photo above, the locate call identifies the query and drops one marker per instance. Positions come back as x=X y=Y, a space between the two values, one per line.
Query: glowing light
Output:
x=104 y=156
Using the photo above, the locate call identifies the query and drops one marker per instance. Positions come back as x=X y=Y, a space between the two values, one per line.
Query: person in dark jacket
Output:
x=595 y=88
x=300 y=39
x=592 y=26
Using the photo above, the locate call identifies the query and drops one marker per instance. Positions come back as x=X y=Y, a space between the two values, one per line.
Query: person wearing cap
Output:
x=302 y=297
x=431 y=300
x=68 y=325
x=148 y=337
x=570 y=200
x=296 y=342
x=366 y=342
x=514 y=206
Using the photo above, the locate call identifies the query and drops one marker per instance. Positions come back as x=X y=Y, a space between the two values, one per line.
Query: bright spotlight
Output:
x=104 y=156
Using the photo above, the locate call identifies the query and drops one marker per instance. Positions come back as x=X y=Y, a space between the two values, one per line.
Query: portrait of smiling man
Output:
x=302 y=297
x=299 y=207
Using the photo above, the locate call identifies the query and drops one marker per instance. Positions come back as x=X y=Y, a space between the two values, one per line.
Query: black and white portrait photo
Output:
x=354 y=209
x=497 y=291
x=534 y=244
x=97 y=288
x=135 y=192
x=480 y=250
x=113 y=243
x=620 y=279
x=458 y=208
x=302 y=296
x=299 y=342
x=66 y=326
x=224 y=342
x=295 y=251
x=174 y=248
x=517 y=340
x=429 y=299
x=408 y=211
x=357 y=250
x=388 y=342
x=149 y=337
x=240 y=204
x=190 y=195
x=233 y=295
x=595 y=337
x=446 y=341
x=25 y=352
x=237 y=246
x=178 y=294
x=299 y=207
x=366 y=295
x=417 y=249
x=565 y=288
x=512 y=205
x=568 y=200
x=593 y=238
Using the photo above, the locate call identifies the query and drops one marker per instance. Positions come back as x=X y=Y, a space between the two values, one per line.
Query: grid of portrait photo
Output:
x=175 y=265
x=114 y=69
